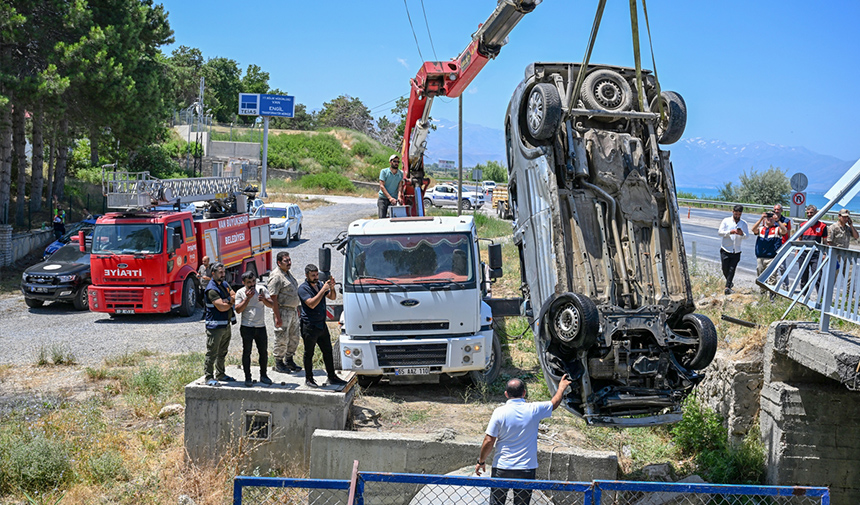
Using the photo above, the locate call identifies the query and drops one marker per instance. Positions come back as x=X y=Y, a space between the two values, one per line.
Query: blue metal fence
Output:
x=418 y=489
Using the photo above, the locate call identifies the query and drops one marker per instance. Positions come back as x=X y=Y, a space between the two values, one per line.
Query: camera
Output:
x=768 y=214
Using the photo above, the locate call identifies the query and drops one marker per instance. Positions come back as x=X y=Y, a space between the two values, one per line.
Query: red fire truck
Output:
x=145 y=260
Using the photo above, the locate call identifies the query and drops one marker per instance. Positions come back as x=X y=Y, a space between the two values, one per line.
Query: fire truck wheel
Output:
x=189 y=298
x=82 y=298
x=33 y=303
x=494 y=367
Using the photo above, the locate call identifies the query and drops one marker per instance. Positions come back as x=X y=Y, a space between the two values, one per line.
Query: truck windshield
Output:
x=410 y=259
x=127 y=238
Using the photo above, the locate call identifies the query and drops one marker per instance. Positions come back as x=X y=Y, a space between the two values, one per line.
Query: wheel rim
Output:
x=608 y=93
x=535 y=111
x=567 y=322
x=191 y=295
x=85 y=297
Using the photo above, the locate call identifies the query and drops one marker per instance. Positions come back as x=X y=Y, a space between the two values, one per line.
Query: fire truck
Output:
x=145 y=260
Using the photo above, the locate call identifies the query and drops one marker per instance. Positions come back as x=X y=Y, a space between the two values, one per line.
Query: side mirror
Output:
x=82 y=241
x=494 y=252
x=325 y=263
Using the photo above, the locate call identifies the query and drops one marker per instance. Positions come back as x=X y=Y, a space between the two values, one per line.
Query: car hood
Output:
x=56 y=268
x=277 y=221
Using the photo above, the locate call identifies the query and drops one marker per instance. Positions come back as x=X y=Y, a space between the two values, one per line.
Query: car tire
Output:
x=287 y=238
x=299 y=234
x=605 y=89
x=543 y=111
x=573 y=321
x=189 y=297
x=671 y=127
x=367 y=381
x=82 y=298
x=489 y=375
x=466 y=205
x=701 y=356
x=427 y=203
x=33 y=303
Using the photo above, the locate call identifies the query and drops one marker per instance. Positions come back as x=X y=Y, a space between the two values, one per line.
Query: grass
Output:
x=55 y=354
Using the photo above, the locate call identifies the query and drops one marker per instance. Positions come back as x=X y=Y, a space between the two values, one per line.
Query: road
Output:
x=93 y=336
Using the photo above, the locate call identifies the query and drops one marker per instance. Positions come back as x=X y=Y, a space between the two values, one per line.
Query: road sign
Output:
x=799 y=182
x=249 y=104
x=798 y=204
x=277 y=105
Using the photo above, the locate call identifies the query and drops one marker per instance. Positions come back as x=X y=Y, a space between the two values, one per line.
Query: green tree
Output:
x=765 y=188
x=494 y=171
x=223 y=85
x=347 y=112
x=186 y=67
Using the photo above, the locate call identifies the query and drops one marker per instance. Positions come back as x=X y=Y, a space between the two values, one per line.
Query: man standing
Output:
x=732 y=230
x=251 y=301
x=284 y=288
x=839 y=234
x=815 y=233
x=218 y=313
x=769 y=233
x=313 y=293
x=514 y=426
x=390 y=186
x=777 y=213
x=59 y=225
x=204 y=272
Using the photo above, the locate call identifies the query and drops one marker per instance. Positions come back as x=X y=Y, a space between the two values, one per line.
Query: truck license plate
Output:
x=125 y=311
x=414 y=370
x=40 y=290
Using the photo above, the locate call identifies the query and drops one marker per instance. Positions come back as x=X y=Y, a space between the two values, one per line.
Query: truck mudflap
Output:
x=505 y=307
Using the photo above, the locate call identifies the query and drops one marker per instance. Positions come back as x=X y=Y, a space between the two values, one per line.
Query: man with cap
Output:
x=390 y=186
x=839 y=233
x=815 y=233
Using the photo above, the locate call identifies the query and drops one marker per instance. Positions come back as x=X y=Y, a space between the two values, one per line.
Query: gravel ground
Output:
x=92 y=336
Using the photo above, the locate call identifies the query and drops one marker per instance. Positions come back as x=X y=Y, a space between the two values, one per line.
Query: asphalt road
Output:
x=93 y=336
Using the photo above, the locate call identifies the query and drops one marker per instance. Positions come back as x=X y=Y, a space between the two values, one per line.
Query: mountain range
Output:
x=698 y=162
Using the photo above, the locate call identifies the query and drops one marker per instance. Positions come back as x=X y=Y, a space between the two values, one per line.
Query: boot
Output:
x=292 y=365
x=282 y=367
x=265 y=379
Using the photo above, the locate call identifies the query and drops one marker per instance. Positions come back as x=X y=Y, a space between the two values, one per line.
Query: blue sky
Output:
x=780 y=72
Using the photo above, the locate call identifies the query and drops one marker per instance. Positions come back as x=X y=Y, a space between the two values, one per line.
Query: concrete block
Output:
x=833 y=355
x=217 y=420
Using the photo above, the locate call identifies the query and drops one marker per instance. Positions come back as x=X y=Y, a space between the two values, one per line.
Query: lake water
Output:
x=814 y=198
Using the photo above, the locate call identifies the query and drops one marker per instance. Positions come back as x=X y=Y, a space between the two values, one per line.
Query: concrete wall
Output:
x=732 y=388
x=333 y=453
x=14 y=246
x=227 y=149
x=214 y=418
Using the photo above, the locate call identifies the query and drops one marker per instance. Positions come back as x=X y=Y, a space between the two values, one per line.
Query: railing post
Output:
x=827 y=299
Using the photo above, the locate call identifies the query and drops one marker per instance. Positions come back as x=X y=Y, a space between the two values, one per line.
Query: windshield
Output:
x=74 y=229
x=410 y=259
x=71 y=254
x=276 y=212
x=127 y=238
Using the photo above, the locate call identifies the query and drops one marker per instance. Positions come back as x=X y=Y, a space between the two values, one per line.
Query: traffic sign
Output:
x=249 y=104
x=277 y=105
x=799 y=182
x=798 y=198
x=798 y=204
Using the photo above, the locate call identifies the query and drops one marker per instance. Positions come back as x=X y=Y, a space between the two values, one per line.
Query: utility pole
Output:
x=460 y=159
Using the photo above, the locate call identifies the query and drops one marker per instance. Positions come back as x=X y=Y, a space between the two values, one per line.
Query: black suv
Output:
x=64 y=277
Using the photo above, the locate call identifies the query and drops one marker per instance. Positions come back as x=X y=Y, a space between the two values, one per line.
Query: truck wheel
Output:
x=335 y=352
x=466 y=205
x=82 y=298
x=427 y=203
x=605 y=89
x=494 y=367
x=573 y=321
x=189 y=297
x=366 y=381
x=671 y=127
x=33 y=303
x=543 y=111
x=700 y=356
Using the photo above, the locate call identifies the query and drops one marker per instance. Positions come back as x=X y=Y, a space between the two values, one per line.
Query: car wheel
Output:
x=605 y=89
x=427 y=203
x=189 y=297
x=573 y=321
x=494 y=367
x=699 y=356
x=543 y=111
x=466 y=205
x=82 y=298
x=299 y=233
x=33 y=303
x=287 y=238
x=366 y=381
x=671 y=126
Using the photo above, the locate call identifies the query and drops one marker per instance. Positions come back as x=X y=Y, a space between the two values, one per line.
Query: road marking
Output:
x=703 y=236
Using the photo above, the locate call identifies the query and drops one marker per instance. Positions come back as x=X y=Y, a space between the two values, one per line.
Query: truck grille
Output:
x=125 y=299
x=123 y=280
x=411 y=355
x=428 y=325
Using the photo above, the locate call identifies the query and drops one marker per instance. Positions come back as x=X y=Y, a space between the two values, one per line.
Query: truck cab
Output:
x=413 y=301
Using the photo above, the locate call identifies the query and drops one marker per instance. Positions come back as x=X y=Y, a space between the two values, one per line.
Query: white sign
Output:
x=249 y=104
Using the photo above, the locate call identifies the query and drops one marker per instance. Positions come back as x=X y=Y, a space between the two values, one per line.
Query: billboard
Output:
x=259 y=104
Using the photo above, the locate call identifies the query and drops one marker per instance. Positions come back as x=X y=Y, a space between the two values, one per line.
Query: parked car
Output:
x=285 y=221
x=86 y=226
x=64 y=277
x=446 y=195
x=488 y=186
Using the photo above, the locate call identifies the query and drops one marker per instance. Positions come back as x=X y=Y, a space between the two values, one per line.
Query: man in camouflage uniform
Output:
x=284 y=289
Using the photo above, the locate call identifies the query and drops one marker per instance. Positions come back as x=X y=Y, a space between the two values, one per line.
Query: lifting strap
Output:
x=574 y=96
x=660 y=107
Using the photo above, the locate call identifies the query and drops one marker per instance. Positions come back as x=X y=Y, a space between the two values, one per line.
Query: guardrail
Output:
x=368 y=488
x=719 y=204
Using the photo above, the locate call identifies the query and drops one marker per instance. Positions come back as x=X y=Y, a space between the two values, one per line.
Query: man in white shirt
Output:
x=251 y=303
x=732 y=230
x=515 y=427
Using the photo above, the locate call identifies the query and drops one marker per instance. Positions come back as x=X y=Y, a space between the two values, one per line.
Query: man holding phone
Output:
x=251 y=303
x=312 y=294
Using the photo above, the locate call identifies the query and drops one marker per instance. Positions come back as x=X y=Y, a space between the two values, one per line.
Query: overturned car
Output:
x=604 y=272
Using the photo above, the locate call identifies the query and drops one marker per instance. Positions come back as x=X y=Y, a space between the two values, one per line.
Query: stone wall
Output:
x=732 y=387
x=14 y=246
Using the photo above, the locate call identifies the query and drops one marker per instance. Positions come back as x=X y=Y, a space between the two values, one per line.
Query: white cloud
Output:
x=402 y=61
x=472 y=90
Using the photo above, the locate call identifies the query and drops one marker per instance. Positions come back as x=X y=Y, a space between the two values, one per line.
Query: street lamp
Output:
x=188 y=144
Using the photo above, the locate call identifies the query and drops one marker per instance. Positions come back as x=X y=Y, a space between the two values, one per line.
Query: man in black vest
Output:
x=218 y=314
x=312 y=294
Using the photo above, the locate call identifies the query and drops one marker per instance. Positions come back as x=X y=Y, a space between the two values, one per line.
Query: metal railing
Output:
x=129 y=190
x=368 y=488
x=719 y=204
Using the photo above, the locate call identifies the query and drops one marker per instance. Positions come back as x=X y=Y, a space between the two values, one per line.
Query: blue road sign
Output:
x=249 y=104
x=277 y=105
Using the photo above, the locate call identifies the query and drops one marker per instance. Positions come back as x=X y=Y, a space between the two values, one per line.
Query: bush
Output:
x=294 y=151
x=700 y=429
x=107 y=467
x=327 y=180
x=149 y=381
x=39 y=464
x=157 y=161
x=362 y=149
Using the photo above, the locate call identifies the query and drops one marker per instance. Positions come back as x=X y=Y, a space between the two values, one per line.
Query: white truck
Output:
x=413 y=301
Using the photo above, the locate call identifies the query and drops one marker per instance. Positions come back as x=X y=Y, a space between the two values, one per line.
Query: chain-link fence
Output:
x=414 y=489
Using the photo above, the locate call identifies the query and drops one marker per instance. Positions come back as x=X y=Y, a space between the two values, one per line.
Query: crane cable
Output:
x=413 y=31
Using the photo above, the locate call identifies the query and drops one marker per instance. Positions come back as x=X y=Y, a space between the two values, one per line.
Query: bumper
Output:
x=416 y=356
x=60 y=293
x=136 y=300
x=278 y=233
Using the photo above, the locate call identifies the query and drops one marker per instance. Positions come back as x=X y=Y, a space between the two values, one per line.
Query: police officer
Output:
x=218 y=314
x=284 y=290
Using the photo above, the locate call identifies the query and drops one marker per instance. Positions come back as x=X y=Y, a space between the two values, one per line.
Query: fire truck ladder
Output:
x=139 y=190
